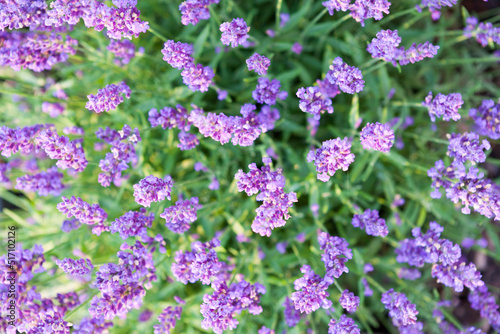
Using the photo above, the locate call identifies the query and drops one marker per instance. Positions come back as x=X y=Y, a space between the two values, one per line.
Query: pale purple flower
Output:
x=132 y=223
x=337 y=5
x=349 y=301
x=435 y=6
x=314 y=102
x=281 y=247
x=327 y=89
x=195 y=10
x=265 y=330
x=368 y=291
x=466 y=147
x=335 y=254
x=481 y=300
x=234 y=32
x=44 y=183
x=458 y=275
x=445 y=106
x=53 y=109
x=467 y=242
x=258 y=63
x=292 y=316
x=365 y=9
x=187 y=141
x=377 y=136
x=170 y=118
x=284 y=18
x=484 y=32
x=409 y=273
x=487 y=119
x=301 y=237
x=221 y=95
x=348 y=78
x=344 y=325
x=80 y=267
x=70 y=224
x=119 y=22
x=416 y=53
x=152 y=189
x=177 y=54
x=74 y=130
x=197 y=77
x=385 y=45
x=168 y=319
x=214 y=185
x=20 y=139
x=334 y=154
x=108 y=98
x=267 y=92
x=123 y=51
x=180 y=216
x=84 y=212
x=311 y=291
x=371 y=223
x=401 y=310
x=297 y=48
x=92 y=325
x=69 y=154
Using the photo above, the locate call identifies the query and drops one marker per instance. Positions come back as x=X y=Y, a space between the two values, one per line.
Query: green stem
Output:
x=157 y=34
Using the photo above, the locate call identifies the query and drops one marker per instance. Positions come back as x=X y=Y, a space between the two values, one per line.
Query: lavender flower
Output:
x=281 y=247
x=170 y=118
x=336 y=254
x=310 y=291
x=337 y=5
x=80 y=267
x=268 y=91
x=327 y=89
x=481 y=300
x=348 y=78
x=409 y=274
x=265 y=330
x=69 y=154
x=73 y=130
x=108 y=98
x=349 y=301
x=43 y=183
x=152 y=189
x=444 y=105
x=466 y=146
x=368 y=291
x=236 y=298
x=434 y=6
x=70 y=224
x=292 y=316
x=195 y=10
x=123 y=51
x=84 y=212
x=197 y=77
x=36 y=52
x=333 y=154
x=377 y=136
x=168 y=319
x=401 y=310
x=365 y=9
x=132 y=223
x=53 y=109
x=202 y=264
x=119 y=22
x=19 y=139
x=297 y=48
x=371 y=222
x=187 y=141
x=92 y=325
x=457 y=275
x=487 y=119
x=417 y=53
x=484 y=33
x=314 y=102
x=234 y=32
x=258 y=63
x=180 y=216
x=178 y=55
x=274 y=210
x=343 y=326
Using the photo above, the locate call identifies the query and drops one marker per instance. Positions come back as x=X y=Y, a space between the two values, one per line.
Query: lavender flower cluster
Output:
x=360 y=10
x=84 y=213
x=180 y=216
x=484 y=33
x=269 y=185
x=108 y=98
x=334 y=154
x=152 y=189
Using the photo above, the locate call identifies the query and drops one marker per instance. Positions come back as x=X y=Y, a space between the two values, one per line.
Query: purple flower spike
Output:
x=197 y=77
x=168 y=319
x=314 y=102
x=378 y=137
x=401 y=310
x=234 y=32
x=180 y=216
x=108 y=98
x=337 y=5
x=444 y=105
x=80 y=267
x=344 y=325
x=483 y=32
x=348 y=78
x=69 y=154
x=487 y=119
x=170 y=118
x=123 y=51
x=292 y=316
x=365 y=9
x=311 y=292
x=434 y=6
x=258 y=63
x=268 y=91
x=385 y=45
x=466 y=146
x=195 y=10
x=458 y=275
x=44 y=183
x=133 y=223
x=152 y=189
x=53 y=109
x=371 y=223
x=481 y=300
x=334 y=154
x=336 y=254
x=178 y=55
x=349 y=301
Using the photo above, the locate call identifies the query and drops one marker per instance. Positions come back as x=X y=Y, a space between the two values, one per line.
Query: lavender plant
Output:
x=375 y=208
